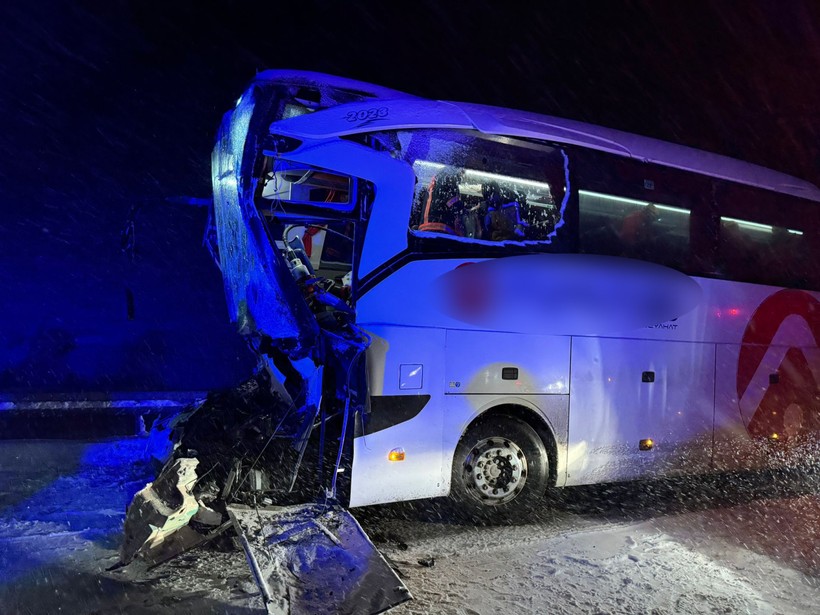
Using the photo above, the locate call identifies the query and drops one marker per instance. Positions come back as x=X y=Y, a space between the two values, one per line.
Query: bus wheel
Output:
x=500 y=470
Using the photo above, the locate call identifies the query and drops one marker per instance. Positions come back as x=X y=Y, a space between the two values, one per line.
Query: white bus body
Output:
x=644 y=309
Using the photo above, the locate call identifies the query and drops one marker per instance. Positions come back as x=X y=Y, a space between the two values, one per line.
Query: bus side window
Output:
x=764 y=254
x=767 y=238
x=479 y=188
x=618 y=226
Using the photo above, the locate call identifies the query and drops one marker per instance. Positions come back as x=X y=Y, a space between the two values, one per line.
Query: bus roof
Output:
x=407 y=111
x=522 y=123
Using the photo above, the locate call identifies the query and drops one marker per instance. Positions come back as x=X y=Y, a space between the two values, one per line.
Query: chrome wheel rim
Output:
x=495 y=471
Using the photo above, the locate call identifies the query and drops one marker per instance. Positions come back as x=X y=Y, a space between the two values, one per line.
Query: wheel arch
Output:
x=531 y=417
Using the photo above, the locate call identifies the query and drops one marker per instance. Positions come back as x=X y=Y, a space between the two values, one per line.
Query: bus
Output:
x=538 y=302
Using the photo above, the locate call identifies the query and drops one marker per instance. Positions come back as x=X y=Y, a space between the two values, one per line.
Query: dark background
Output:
x=113 y=105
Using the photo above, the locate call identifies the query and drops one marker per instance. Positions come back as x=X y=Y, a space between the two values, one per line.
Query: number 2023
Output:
x=367 y=114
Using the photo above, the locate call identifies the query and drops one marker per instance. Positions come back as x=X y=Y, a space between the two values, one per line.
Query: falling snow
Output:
x=727 y=544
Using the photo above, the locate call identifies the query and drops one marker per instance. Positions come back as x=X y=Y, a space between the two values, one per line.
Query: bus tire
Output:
x=500 y=471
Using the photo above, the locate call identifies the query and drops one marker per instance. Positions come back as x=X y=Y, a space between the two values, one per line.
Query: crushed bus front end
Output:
x=270 y=460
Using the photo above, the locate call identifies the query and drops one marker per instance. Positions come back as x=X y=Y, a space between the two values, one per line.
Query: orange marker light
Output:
x=646 y=445
x=397 y=454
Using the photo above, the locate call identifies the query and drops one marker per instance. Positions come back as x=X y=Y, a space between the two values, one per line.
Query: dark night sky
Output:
x=733 y=77
x=111 y=104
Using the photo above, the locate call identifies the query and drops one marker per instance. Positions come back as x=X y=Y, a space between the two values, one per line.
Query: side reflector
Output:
x=646 y=445
x=774 y=436
x=397 y=454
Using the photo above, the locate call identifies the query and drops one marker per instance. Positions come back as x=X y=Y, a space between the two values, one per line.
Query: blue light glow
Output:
x=62 y=497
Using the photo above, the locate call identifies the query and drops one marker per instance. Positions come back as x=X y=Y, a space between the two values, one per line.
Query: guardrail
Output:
x=93 y=415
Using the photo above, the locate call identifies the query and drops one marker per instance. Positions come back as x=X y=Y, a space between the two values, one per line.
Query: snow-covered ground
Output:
x=746 y=544
x=753 y=557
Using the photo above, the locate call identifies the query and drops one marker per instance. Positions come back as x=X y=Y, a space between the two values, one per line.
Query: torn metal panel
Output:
x=262 y=295
x=312 y=558
x=160 y=510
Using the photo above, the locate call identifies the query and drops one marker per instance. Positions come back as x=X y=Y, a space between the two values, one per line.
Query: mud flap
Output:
x=311 y=558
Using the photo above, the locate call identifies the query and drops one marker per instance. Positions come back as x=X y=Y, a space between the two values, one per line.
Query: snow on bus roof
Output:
x=498 y=120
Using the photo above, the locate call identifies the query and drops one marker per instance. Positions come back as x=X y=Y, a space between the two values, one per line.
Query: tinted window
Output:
x=767 y=238
x=645 y=230
x=637 y=210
